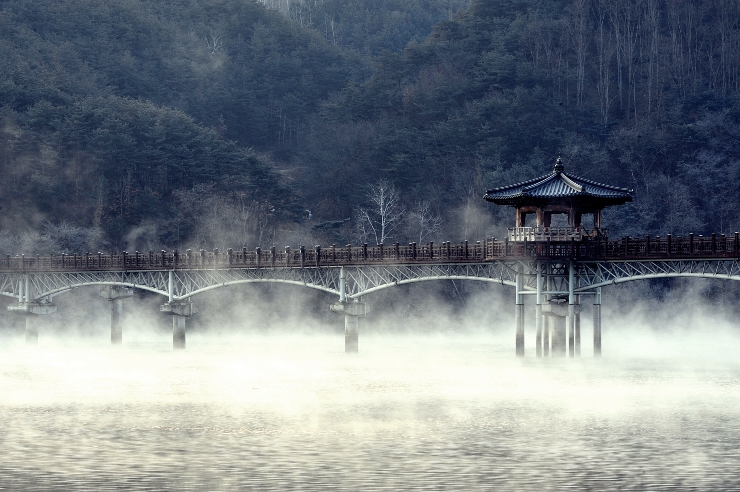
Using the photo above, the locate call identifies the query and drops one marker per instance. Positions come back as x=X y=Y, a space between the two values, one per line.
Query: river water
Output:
x=413 y=412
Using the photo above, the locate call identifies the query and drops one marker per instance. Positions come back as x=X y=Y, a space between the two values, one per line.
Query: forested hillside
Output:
x=640 y=94
x=132 y=124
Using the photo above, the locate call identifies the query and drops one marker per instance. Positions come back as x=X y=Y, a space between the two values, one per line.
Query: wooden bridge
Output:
x=587 y=247
x=557 y=272
x=557 y=265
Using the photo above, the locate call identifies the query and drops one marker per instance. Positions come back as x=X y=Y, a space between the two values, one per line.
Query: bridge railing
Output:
x=599 y=248
x=541 y=233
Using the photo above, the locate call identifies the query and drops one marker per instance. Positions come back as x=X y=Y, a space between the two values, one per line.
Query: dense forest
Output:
x=135 y=124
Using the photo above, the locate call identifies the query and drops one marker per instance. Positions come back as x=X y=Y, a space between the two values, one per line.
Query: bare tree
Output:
x=423 y=222
x=215 y=43
x=384 y=213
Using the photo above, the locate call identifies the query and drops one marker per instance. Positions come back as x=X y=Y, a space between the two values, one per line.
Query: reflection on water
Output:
x=406 y=413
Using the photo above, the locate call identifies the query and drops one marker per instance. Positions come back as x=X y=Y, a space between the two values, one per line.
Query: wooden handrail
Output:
x=588 y=248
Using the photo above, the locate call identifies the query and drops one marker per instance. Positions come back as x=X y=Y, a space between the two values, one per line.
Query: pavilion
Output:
x=553 y=194
x=557 y=193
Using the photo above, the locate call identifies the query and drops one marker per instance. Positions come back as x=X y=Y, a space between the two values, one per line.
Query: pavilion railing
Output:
x=587 y=248
x=555 y=233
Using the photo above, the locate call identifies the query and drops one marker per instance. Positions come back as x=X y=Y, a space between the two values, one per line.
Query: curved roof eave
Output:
x=566 y=187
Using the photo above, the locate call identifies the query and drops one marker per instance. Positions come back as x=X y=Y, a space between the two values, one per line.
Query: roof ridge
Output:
x=521 y=184
x=591 y=182
x=575 y=186
x=546 y=179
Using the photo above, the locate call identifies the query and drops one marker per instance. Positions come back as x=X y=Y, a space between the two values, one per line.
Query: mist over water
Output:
x=416 y=409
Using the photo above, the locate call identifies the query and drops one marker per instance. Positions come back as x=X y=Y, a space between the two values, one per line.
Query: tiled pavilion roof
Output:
x=558 y=185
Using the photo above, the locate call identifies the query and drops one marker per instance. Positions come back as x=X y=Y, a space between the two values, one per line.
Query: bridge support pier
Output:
x=571 y=310
x=31 y=311
x=180 y=311
x=352 y=311
x=558 y=336
x=597 y=323
x=538 y=312
x=519 y=313
x=116 y=295
x=571 y=330
x=577 y=326
x=547 y=322
x=558 y=315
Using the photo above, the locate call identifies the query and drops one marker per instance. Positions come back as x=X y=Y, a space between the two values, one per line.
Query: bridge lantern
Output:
x=557 y=193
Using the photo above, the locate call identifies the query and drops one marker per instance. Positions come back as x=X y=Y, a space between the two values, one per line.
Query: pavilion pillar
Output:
x=597 y=219
x=520 y=218
x=597 y=323
x=577 y=218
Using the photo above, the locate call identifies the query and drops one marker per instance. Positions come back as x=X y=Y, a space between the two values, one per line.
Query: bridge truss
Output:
x=361 y=280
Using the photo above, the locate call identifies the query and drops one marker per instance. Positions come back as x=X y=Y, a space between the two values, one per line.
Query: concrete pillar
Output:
x=538 y=312
x=558 y=335
x=571 y=330
x=180 y=311
x=577 y=323
x=116 y=313
x=116 y=294
x=178 y=331
x=352 y=312
x=519 y=313
x=546 y=322
x=558 y=314
x=571 y=309
x=351 y=333
x=538 y=336
x=32 y=330
x=520 y=330
x=31 y=311
x=597 y=323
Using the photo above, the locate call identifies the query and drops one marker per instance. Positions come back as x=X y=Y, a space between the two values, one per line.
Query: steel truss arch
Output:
x=361 y=280
x=590 y=275
x=43 y=285
x=186 y=283
x=367 y=279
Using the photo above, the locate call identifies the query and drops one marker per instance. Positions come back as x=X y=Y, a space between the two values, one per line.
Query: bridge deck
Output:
x=598 y=249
